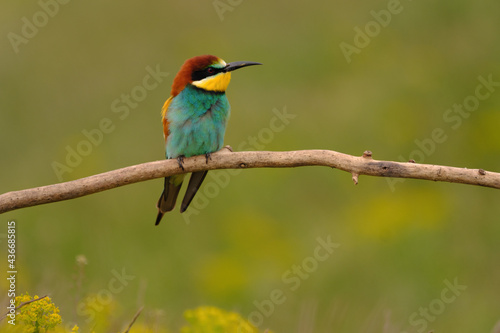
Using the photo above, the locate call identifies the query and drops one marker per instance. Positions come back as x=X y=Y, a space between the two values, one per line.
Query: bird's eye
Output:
x=204 y=73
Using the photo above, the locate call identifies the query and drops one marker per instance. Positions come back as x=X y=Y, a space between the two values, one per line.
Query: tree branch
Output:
x=226 y=159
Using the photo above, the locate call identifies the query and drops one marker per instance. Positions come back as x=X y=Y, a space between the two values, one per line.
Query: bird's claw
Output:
x=180 y=160
x=208 y=156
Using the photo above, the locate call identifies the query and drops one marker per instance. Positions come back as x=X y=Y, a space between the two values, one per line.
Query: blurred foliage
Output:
x=214 y=320
x=41 y=315
x=400 y=239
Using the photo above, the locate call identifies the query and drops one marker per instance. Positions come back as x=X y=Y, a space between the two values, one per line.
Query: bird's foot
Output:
x=208 y=156
x=180 y=160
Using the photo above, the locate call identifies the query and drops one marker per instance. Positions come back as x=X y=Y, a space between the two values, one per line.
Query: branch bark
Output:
x=226 y=159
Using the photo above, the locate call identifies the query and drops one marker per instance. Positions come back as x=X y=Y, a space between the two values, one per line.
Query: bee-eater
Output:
x=194 y=121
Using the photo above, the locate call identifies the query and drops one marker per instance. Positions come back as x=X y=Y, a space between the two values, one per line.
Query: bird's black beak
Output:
x=239 y=64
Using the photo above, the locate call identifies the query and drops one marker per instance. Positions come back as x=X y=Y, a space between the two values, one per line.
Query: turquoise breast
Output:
x=197 y=122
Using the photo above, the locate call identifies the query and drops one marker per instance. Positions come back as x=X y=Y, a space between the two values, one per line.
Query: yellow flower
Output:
x=209 y=319
x=39 y=316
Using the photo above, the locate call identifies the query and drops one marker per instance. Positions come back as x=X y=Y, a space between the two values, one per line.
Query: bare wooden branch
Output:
x=226 y=159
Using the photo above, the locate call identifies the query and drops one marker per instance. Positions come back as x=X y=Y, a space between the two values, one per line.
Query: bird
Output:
x=194 y=121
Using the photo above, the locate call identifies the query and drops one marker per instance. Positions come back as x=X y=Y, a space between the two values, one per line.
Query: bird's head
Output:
x=207 y=72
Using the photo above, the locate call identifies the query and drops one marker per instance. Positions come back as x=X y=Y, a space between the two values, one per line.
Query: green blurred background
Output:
x=399 y=241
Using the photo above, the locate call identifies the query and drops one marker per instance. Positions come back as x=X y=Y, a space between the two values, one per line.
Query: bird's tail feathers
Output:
x=193 y=186
x=168 y=197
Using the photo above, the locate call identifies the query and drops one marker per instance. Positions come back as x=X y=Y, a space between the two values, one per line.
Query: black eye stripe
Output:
x=209 y=71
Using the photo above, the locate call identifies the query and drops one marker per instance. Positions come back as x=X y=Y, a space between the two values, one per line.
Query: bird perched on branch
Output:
x=194 y=121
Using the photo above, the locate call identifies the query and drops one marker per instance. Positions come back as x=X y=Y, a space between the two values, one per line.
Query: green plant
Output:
x=41 y=315
x=209 y=319
x=38 y=316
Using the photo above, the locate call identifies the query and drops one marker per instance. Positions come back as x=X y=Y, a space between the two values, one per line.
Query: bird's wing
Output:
x=170 y=190
x=164 y=110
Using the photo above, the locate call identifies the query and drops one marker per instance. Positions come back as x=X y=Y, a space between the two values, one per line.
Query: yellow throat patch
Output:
x=218 y=82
